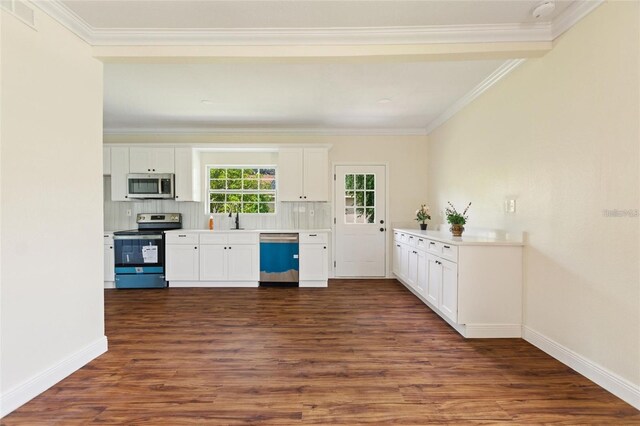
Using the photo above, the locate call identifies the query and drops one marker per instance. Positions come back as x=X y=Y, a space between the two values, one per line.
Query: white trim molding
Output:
x=33 y=387
x=610 y=381
x=263 y=130
x=502 y=331
x=501 y=72
x=435 y=34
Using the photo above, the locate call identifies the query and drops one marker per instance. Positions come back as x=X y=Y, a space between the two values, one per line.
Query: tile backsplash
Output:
x=307 y=215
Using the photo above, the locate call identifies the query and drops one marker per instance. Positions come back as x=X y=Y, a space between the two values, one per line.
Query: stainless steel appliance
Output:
x=139 y=253
x=150 y=185
x=279 y=258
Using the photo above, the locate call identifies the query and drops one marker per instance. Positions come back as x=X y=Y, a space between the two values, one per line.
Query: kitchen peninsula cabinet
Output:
x=473 y=283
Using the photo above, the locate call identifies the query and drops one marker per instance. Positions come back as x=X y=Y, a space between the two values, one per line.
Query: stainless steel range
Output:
x=139 y=253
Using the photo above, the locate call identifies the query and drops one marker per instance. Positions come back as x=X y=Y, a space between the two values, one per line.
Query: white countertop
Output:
x=262 y=231
x=465 y=240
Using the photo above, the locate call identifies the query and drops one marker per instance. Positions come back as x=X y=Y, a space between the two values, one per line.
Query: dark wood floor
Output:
x=357 y=352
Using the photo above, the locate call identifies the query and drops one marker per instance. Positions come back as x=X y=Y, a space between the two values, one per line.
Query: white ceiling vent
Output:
x=20 y=10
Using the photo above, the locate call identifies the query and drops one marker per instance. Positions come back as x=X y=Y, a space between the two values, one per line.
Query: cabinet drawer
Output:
x=433 y=247
x=313 y=237
x=403 y=238
x=412 y=240
x=450 y=252
x=243 y=238
x=213 y=238
x=181 y=238
x=421 y=243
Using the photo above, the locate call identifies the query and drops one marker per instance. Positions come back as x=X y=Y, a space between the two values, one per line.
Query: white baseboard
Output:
x=610 y=381
x=302 y=284
x=501 y=331
x=33 y=387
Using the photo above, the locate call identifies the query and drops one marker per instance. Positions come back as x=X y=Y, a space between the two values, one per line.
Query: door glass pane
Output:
x=349 y=215
x=348 y=201
x=348 y=181
x=360 y=215
x=371 y=199
x=360 y=198
x=371 y=182
x=359 y=181
x=371 y=215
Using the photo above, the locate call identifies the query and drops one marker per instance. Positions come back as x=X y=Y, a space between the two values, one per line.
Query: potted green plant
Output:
x=422 y=215
x=457 y=220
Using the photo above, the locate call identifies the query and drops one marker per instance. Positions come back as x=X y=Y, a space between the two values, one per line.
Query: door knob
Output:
x=382 y=229
x=381 y=222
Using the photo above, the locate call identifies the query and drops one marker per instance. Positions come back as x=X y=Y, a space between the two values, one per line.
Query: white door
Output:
x=434 y=280
x=182 y=262
x=412 y=272
x=313 y=262
x=361 y=223
x=423 y=270
x=241 y=262
x=213 y=262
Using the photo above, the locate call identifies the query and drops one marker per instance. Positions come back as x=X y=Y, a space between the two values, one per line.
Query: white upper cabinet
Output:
x=187 y=170
x=119 y=171
x=303 y=174
x=151 y=160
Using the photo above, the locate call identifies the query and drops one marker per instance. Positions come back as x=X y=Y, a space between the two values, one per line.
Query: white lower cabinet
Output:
x=182 y=262
x=314 y=258
x=476 y=287
x=212 y=259
x=109 y=262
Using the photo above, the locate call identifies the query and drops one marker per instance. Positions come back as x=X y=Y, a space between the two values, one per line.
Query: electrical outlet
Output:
x=510 y=206
x=128 y=212
x=312 y=213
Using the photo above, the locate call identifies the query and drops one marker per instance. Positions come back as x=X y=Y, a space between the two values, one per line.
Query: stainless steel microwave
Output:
x=151 y=185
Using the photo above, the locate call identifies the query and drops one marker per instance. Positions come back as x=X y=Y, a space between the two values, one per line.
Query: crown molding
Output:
x=570 y=16
x=408 y=131
x=488 y=82
x=312 y=36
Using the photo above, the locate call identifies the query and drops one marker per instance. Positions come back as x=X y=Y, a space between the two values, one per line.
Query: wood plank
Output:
x=358 y=352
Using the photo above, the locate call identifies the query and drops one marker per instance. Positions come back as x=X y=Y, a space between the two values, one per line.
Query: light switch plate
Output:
x=510 y=206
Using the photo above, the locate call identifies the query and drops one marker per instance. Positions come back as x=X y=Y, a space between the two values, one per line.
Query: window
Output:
x=248 y=189
x=360 y=198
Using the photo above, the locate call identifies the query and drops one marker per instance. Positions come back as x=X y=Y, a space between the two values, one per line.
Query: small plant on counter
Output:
x=455 y=218
x=422 y=214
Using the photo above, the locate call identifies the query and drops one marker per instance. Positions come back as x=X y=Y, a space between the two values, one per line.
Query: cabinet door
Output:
x=422 y=276
x=313 y=262
x=449 y=299
x=242 y=262
x=182 y=262
x=213 y=264
x=434 y=280
x=412 y=268
x=404 y=261
x=140 y=160
x=187 y=169
x=290 y=174
x=109 y=263
x=162 y=160
x=119 y=171
x=397 y=258
x=316 y=174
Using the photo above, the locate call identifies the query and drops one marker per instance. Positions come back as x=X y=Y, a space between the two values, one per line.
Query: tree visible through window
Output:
x=248 y=189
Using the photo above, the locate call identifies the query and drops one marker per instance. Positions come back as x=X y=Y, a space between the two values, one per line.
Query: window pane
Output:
x=267 y=183
x=216 y=197
x=232 y=207
x=359 y=215
x=349 y=201
x=371 y=215
x=250 y=173
x=234 y=173
x=234 y=198
x=267 y=198
x=349 y=215
x=360 y=198
x=216 y=207
x=359 y=181
x=250 y=184
x=371 y=182
x=217 y=173
x=371 y=198
x=234 y=184
x=250 y=208
x=250 y=198
x=217 y=184
x=348 y=182
x=267 y=207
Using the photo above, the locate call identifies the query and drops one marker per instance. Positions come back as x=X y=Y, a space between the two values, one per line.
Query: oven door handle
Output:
x=137 y=237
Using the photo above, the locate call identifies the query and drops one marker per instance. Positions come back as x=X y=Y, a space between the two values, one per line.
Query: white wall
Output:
x=51 y=214
x=561 y=135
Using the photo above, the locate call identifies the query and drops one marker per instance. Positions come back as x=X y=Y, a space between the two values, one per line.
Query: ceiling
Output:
x=396 y=97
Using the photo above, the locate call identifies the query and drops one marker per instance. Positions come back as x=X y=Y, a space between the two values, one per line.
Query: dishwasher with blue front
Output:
x=279 y=258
